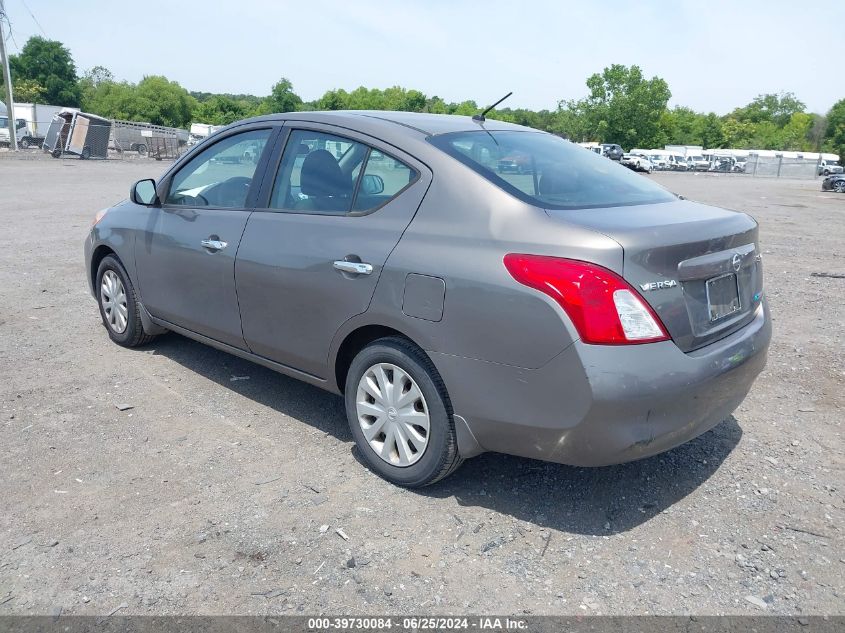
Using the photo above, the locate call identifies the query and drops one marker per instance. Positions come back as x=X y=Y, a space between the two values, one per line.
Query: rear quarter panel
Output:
x=461 y=233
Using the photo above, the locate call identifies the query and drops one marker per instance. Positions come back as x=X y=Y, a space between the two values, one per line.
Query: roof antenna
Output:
x=480 y=117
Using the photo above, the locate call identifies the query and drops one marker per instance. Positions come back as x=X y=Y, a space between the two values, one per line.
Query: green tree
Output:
x=709 y=131
x=623 y=106
x=776 y=108
x=163 y=102
x=29 y=91
x=50 y=65
x=153 y=100
x=835 y=135
x=282 y=98
x=794 y=135
x=224 y=109
x=333 y=100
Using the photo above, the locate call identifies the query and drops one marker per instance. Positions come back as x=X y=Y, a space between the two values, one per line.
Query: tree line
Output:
x=621 y=106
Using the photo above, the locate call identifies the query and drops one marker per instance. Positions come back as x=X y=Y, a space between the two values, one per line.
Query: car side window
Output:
x=327 y=174
x=384 y=177
x=221 y=175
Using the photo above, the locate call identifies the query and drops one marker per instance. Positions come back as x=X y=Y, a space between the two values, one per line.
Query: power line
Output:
x=34 y=19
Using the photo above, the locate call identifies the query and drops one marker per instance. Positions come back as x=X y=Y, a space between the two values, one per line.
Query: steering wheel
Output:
x=232 y=192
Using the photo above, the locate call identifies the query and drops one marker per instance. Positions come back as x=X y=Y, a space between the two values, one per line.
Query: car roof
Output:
x=414 y=123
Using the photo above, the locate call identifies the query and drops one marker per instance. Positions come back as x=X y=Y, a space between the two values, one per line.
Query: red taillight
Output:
x=604 y=308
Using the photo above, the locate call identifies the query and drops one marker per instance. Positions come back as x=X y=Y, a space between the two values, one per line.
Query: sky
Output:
x=716 y=55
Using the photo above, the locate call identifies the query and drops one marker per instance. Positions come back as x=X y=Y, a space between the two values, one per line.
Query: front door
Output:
x=311 y=260
x=186 y=255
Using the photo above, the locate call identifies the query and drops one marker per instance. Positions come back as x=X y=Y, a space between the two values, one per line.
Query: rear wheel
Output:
x=142 y=149
x=119 y=305
x=399 y=414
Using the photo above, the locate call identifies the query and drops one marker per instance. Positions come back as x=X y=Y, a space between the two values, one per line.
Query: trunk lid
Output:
x=686 y=260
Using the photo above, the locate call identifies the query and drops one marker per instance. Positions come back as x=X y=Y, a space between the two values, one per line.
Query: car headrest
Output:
x=557 y=181
x=322 y=176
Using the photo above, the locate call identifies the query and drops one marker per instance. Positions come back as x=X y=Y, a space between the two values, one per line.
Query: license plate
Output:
x=722 y=296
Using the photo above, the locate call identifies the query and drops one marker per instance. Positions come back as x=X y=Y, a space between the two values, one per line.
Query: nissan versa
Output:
x=569 y=311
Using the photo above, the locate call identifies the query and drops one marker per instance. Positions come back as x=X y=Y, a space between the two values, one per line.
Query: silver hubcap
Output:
x=393 y=414
x=113 y=300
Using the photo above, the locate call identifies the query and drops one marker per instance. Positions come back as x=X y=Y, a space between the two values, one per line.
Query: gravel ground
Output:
x=226 y=488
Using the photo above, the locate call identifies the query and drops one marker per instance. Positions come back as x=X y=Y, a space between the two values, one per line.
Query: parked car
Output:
x=723 y=164
x=658 y=162
x=585 y=315
x=834 y=182
x=827 y=167
x=636 y=162
x=612 y=151
x=678 y=163
x=698 y=163
x=517 y=163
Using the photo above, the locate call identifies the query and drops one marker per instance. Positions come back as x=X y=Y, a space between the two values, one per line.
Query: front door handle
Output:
x=355 y=268
x=214 y=245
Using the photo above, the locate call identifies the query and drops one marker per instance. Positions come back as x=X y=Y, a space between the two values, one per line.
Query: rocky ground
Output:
x=178 y=479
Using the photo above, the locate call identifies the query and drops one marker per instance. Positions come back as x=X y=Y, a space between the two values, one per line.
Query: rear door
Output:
x=186 y=256
x=336 y=204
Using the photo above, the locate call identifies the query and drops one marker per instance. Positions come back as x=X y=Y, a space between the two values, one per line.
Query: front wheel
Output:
x=839 y=186
x=400 y=415
x=119 y=305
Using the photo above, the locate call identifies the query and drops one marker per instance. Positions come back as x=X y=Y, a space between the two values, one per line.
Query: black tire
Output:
x=56 y=153
x=134 y=334
x=142 y=149
x=441 y=457
x=826 y=172
x=86 y=153
x=839 y=186
x=24 y=143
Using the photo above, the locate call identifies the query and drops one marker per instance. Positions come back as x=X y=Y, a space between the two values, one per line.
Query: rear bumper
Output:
x=595 y=405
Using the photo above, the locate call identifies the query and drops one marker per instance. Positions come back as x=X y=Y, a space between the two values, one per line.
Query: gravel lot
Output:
x=226 y=487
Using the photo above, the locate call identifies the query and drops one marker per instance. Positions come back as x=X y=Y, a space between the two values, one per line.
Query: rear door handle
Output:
x=215 y=245
x=355 y=268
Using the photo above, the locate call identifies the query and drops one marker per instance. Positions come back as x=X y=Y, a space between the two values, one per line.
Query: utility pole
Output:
x=7 y=80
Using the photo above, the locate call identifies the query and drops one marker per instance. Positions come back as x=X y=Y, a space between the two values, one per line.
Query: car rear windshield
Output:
x=551 y=172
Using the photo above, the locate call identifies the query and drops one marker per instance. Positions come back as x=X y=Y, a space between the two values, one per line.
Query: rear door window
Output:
x=332 y=175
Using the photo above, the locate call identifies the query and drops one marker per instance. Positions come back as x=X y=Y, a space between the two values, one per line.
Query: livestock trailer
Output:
x=133 y=136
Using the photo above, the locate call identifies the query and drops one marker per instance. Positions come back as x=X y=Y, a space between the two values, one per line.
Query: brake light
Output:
x=604 y=308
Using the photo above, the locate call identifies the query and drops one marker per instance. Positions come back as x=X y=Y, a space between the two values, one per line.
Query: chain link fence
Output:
x=781 y=167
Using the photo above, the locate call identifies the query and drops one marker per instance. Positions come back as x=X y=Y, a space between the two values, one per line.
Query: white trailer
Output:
x=39 y=115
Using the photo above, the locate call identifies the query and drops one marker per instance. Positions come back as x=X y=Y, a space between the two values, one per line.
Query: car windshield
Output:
x=556 y=174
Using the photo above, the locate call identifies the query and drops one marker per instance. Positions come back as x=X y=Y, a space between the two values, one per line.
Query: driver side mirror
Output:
x=372 y=185
x=144 y=192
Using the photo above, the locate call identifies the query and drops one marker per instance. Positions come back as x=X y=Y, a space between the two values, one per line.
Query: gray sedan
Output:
x=571 y=311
